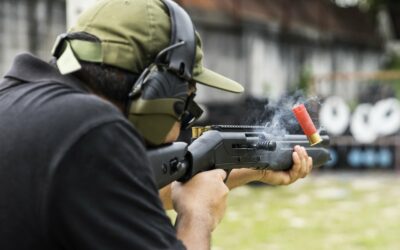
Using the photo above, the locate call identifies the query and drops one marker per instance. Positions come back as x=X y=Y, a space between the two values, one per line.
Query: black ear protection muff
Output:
x=159 y=98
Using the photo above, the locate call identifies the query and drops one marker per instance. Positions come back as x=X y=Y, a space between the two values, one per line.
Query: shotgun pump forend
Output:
x=228 y=147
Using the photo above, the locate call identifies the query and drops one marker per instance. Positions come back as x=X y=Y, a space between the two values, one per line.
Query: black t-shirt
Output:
x=73 y=172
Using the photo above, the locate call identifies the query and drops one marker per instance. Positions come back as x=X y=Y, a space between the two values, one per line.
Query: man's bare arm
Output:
x=200 y=204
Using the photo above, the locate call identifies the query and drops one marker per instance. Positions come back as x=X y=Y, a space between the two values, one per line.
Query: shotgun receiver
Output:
x=228 y=147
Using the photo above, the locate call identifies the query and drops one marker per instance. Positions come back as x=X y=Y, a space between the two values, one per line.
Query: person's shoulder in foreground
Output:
x=74 y=174
x=64 y=151
x=73 y=169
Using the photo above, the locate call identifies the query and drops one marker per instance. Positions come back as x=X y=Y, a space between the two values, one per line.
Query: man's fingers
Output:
x=304 y=155
x=310 y=163
x=302 y=163
x=296 y=157
x=297 y=160
x=305 y=160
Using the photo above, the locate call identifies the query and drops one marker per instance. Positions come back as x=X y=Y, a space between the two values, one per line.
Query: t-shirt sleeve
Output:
x=103 y=195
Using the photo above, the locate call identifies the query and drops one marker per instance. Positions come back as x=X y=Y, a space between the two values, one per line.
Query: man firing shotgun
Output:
x=74 y=173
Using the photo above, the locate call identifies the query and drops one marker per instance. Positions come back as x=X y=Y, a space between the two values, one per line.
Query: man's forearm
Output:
x=194 y=232
x=200 y=204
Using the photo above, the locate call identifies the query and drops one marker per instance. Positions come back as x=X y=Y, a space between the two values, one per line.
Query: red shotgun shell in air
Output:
x=307 y=124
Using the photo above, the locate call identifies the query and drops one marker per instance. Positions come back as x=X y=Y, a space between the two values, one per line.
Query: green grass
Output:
x=339 y=211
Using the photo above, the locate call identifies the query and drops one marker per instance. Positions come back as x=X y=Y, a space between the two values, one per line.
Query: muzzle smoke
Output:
x=280 y=119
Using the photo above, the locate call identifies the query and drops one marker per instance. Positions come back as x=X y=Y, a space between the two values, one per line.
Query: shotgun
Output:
x=229 y=147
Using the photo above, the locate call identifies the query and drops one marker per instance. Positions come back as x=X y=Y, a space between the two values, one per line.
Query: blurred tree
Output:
x=305 y=79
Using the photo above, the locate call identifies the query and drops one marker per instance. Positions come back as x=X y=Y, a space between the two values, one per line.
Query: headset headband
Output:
x=182 y=50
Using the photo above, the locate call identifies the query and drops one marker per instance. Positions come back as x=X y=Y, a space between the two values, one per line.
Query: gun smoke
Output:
x=278 y=118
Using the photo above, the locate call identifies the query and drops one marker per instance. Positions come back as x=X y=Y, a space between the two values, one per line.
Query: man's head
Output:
x=130 y=34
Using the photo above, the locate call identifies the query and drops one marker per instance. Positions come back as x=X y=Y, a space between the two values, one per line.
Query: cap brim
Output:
x=215 y=80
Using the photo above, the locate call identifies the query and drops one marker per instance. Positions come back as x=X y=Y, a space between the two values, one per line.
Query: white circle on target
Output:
x=360 y=125
x=334 y=115
x=385 y=116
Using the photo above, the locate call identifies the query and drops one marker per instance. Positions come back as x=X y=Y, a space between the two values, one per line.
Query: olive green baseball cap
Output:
x=131 y=34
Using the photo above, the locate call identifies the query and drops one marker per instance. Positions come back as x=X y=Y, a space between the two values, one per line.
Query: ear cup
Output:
x=158 y=98
x=154 y=128
x=165 y=84
x=158 y=104
x=162 y=83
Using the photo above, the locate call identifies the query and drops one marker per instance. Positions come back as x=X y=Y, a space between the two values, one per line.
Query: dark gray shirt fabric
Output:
x=73 y=171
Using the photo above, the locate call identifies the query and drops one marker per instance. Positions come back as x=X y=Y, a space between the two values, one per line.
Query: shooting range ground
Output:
x=321 y=212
